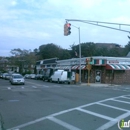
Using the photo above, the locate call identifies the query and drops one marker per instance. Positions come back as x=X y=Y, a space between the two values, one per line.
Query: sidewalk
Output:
x=98 y=85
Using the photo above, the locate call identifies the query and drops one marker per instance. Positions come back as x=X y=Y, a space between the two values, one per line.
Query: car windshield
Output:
x=17 y=76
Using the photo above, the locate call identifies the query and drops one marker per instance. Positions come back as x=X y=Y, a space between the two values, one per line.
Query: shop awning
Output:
x=117 y=67
x=74 y=67
x=63 y=67
x=78 y=67
x=82 y=67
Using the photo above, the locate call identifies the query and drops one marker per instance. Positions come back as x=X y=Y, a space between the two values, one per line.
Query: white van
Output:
x=61 y=76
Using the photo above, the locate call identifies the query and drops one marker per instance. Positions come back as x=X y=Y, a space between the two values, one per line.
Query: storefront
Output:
x=112 y=70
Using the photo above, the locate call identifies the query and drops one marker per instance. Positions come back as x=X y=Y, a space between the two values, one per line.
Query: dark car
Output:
x=1 y=75
x=47 y=74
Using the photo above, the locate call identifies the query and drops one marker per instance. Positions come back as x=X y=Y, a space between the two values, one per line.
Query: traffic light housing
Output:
x=67 y=28
x=91 y=59
x=87 y=62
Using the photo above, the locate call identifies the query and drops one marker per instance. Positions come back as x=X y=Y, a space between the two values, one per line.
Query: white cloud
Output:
x=44 y=20
x=13 y=2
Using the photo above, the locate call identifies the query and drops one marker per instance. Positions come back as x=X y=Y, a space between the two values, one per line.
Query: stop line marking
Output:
x=34 y=86
x=9 y=88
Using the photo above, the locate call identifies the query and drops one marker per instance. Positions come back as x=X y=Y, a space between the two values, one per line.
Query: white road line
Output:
x=45 y=86
x=9 y=88
x=56 y=85
x=64 y=124
x=121 y=101
x=127 y=88
x=120 y=90
x=113 y=122
x=59 y=113
x=34 y=87
x=95 y=114
x=28 y=123
x=41 y=119
x=117 y=108
x=34 y=83
x=95 y=102
x=125 y=97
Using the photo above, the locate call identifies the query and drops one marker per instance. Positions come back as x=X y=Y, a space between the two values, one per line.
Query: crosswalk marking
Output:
x=111 y=122
x=125 y=97
x=95 y=114
x=64 y=124
x=117 y=108
x=121 y=101
x=119 y=89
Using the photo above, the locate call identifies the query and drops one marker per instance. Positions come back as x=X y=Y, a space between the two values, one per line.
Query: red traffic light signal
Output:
x=67 y=29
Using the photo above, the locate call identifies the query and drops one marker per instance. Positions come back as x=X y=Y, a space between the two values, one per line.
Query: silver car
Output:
x=17 y=79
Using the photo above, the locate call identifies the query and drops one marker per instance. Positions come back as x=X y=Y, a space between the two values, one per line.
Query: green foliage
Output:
x=87 y=49
x=50 y=50
x=127 y=48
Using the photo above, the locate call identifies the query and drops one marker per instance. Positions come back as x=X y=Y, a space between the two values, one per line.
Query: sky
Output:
x=28 y=24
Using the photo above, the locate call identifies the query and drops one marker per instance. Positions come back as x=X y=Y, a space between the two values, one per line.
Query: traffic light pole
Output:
x=79 y=58
x=79 y=54
x=66 y=33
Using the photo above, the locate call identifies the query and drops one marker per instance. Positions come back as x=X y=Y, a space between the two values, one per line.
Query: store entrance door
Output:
x=98 y=76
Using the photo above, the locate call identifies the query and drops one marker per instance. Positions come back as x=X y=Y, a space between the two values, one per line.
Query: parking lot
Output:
x=41 y=105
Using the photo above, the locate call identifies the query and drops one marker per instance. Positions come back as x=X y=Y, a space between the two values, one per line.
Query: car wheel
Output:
x=51 y=80
x=58 y=81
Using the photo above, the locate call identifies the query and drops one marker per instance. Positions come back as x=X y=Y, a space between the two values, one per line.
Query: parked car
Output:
x=7 y=76
x=32 y=76
x=47 y=74
x=38 y=76
x=3 y=75
x=60 y=76
x=27 y=76
x=17 y=79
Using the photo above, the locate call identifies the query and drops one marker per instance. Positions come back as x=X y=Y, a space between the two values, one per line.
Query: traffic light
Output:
x=87 y=62
x=91 y=59
x=67 y=29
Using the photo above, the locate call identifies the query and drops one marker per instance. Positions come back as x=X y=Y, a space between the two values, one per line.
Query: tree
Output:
x=52 y=50
x=22 y=58
x=127 y=47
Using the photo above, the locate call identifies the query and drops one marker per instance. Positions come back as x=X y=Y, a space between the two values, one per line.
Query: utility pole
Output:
x=79 y=58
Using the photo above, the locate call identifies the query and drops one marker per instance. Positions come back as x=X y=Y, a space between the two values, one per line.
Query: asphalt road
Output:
x=39 y=105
